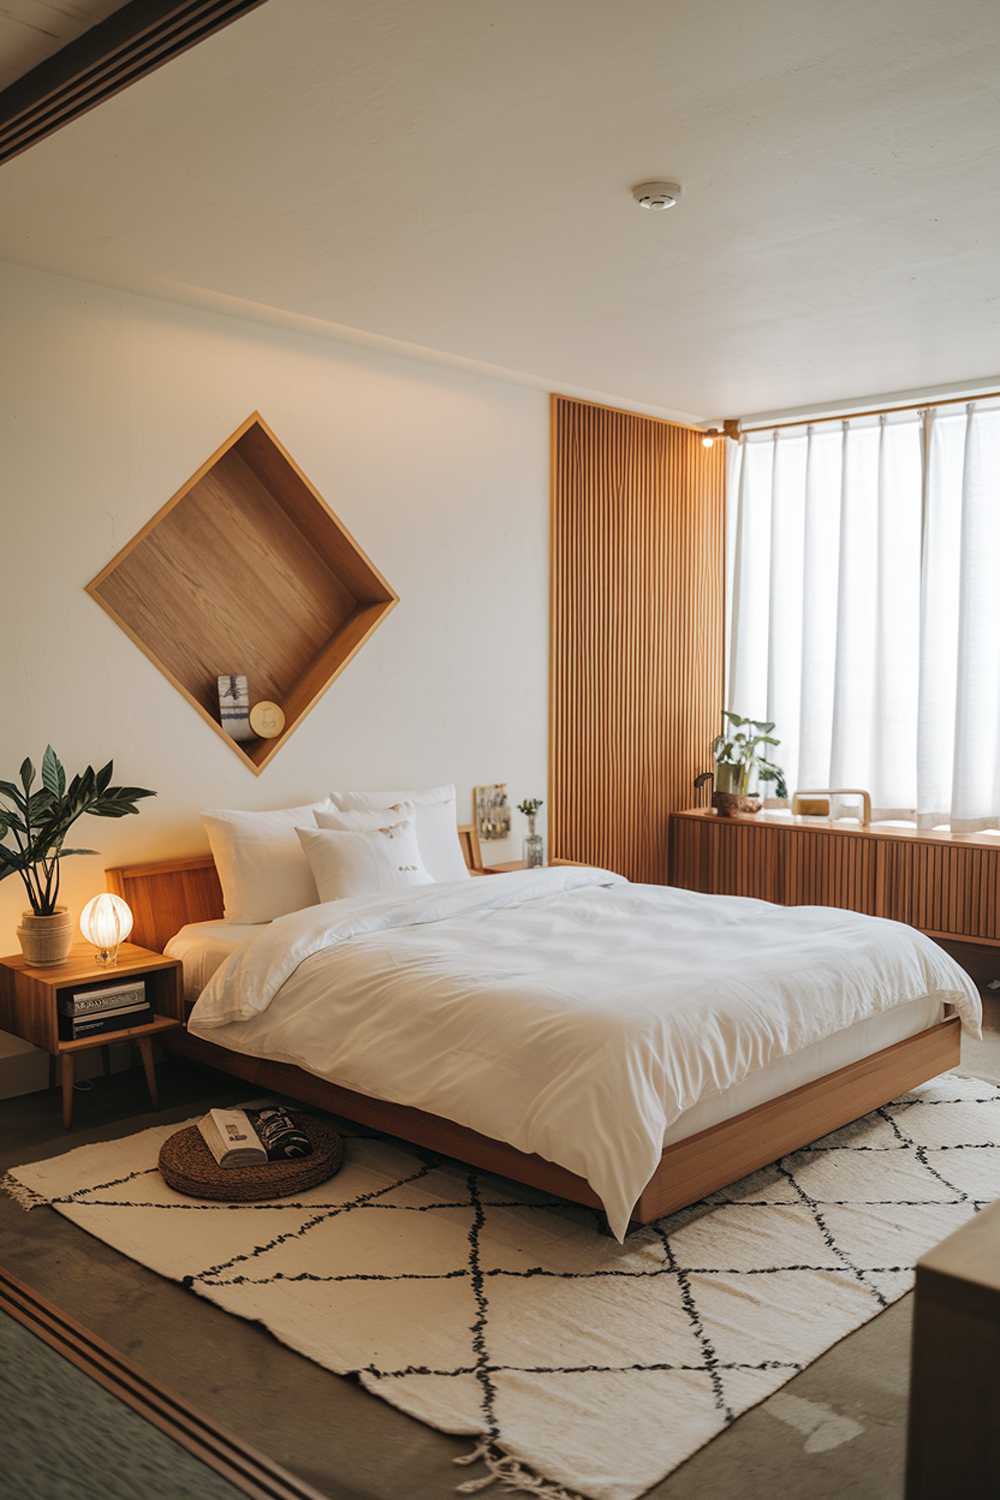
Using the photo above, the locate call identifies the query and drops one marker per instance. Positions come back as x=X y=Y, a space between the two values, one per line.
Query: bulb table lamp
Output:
x=106 y=921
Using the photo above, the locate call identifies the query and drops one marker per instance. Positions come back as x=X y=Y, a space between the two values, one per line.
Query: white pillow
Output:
x=370 y=863
x=437 y=824
x=262 y=869
x=363 y=822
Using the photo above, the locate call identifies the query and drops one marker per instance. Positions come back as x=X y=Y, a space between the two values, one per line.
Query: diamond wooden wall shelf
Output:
x=246 y=569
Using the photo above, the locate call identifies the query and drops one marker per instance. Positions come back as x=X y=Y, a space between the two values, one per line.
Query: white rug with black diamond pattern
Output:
x=486 y=1309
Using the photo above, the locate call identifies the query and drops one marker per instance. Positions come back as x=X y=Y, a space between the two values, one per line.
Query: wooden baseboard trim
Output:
x=244 y=1467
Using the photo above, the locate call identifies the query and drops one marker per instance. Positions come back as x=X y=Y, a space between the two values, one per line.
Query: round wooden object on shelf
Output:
x=267 y=720
x=187 y=1165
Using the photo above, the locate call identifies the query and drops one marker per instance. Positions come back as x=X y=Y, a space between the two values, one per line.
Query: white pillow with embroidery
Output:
x=364 y=822
x=371 y=862
x=437 y=824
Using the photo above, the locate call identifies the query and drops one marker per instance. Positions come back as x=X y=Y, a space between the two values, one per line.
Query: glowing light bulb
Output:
x=707 y=440
x=106 y=921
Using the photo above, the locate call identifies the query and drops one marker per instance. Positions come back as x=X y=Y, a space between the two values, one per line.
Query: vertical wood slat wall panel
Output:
x=947 y=889
x=636 y=630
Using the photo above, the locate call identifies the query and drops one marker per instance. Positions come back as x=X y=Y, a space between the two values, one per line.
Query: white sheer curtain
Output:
x=863 y=607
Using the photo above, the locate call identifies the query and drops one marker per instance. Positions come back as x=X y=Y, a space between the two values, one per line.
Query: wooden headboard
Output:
x=167 y=893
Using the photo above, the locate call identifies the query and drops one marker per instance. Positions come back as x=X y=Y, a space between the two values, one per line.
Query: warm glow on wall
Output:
x=106 y=921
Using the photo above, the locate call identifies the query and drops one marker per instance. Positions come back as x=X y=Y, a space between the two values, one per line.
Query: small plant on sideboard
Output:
x=738 y=756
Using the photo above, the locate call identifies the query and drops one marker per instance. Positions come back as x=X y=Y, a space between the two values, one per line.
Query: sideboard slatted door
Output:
x=949 y=888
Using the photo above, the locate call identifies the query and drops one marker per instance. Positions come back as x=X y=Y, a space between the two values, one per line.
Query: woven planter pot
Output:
x=46 y=940
x=726 y=804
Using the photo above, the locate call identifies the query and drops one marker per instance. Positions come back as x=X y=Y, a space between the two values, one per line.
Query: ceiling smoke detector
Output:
x=656 y=195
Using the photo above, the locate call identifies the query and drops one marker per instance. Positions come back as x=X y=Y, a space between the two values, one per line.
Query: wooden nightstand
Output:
x=29 y=1006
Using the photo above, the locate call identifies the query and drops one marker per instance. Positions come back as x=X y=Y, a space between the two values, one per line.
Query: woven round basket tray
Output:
x=187 y=1165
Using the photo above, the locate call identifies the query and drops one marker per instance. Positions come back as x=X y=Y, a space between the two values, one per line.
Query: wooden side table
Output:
x=29 y=1006
x=954 y=1427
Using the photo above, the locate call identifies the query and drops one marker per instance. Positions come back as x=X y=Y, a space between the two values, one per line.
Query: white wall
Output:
x=108 y=402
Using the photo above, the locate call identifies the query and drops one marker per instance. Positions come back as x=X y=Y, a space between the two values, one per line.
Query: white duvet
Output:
x=564 y=1010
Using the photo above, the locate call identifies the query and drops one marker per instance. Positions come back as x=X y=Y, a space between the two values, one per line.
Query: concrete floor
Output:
x=41 y=1458
x=838 y=1429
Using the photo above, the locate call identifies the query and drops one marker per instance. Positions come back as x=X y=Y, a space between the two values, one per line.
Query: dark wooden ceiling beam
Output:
x=135 y=40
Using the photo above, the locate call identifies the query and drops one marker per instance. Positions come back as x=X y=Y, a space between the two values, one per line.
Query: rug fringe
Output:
x=511 y=1473
x=25 y=1197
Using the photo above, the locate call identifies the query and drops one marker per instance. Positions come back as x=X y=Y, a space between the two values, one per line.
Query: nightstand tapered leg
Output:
x=66 y=1065
x=145 y=1045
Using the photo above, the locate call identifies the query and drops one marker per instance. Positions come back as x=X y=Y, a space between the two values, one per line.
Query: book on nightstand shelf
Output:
x=253 y=1137
x=91 y=1012
x=111 y=997
x=97 y=1022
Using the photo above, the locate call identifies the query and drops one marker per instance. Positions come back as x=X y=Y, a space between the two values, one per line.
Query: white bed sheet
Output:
x=574 y=1015
x=203 y=946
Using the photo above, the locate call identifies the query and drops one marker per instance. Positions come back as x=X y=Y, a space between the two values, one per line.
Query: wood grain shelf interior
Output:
x=246 y=569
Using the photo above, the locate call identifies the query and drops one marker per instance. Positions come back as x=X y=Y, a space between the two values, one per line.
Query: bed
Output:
x=365 y=1014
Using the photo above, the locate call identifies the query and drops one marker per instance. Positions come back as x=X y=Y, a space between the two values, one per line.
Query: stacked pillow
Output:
x=436 y=819
x=259 y=860
x=348 y=844
x=374 y=853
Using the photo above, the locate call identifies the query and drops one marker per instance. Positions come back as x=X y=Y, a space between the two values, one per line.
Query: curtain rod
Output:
x=875 y=411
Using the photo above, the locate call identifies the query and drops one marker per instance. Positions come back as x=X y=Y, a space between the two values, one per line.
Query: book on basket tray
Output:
x=254 y=1136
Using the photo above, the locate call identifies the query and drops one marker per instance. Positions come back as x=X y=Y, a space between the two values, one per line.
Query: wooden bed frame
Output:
x=167 y=894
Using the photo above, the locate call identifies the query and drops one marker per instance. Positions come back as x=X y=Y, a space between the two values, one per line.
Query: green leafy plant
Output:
x=37 y=822
x=738 y=755
x=529 y=807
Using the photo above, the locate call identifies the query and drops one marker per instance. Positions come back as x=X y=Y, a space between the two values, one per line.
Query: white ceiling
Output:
x=31 y=30
x=456 y=175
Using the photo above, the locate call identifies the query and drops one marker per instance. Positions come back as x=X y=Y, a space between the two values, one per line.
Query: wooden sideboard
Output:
x=946 y=884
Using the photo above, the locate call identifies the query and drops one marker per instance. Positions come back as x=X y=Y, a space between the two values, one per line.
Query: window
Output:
x=864 y=606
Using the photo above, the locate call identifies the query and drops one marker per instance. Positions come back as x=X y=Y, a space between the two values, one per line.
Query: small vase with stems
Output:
x=534 y=845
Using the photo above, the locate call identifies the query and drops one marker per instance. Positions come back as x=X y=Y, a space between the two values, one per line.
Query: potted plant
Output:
x=737 y=757
x=37 y=823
